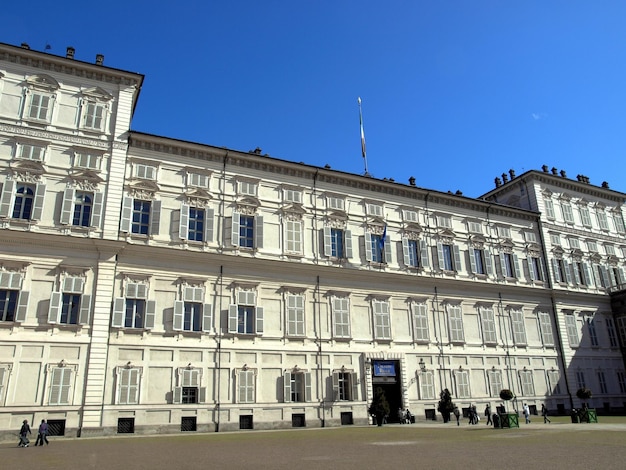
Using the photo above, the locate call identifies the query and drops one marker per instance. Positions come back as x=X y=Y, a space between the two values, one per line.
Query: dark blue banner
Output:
x=384 y=369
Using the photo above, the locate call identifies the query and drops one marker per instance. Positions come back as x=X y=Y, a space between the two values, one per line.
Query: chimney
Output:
x=498 y=182
x=412 y=181
x=605 y=185
x=25 y=46
x=504 y=178
x=555 y=171
x=99 y=59
x=578 y=177
x=545 y=168
x=69 y=54
x=512 y=174
x=563 y=174
x=459 y=192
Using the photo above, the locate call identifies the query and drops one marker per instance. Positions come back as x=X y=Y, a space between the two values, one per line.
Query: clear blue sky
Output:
x=454 y=92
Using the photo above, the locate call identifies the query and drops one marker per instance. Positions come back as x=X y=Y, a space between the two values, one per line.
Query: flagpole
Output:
x=363 y=152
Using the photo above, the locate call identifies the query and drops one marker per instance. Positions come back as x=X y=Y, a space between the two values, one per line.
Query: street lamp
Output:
x=422 y=365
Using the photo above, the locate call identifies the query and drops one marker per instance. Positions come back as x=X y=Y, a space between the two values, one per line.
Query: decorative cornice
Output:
x=57 y=136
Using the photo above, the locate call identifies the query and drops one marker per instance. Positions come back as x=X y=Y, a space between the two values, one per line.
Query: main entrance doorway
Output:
x=386 y=376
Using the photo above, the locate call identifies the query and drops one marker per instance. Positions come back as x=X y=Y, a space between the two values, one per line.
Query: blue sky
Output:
x=454 y=92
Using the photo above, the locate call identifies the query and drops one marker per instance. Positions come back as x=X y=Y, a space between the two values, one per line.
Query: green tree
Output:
x=445 y=405
x=379 y=406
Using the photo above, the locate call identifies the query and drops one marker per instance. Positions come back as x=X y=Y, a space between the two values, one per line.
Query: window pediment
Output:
x=413 y=228
x=143 y=185
x=557 y=250
x=507 y=245
x=248 y=201
x=42 y=81
x=28 y=167
x=293 y=208
x=376 y=221
x=198 y=194
x=98 y=93
x=446 y=234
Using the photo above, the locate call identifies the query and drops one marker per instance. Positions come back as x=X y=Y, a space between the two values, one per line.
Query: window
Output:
x=602 y=382
x=603 y=222
x=566 y=209
x=141 y=217
x=21 y=200
x=610 y=330
x=592 y=246
x=410 y=216
x=81 y=208
x=70 y=306
x=195 y=227
x=247 y=231
x=574 y=243
x=462 y=384
x=197 y=180
x=293 y=236
x=5 y=369
x=455 y=318
x=196 y=223
x=427 y=385
x=297 y=386
x=580 y=379
x=444 y=221
x=610 y=249
x=143 y=171
x=13 y=301
x=382 y=320
x=517 y=325
x=94 y=115
x=545 y=326
x=535 y=268
x=415 y=253
x=337 y=243
x=128 y=385
x=189 y=390
x=293 y=195
x=247 y=188
x=495 y=382
x=555 y=239
x=553 y=381
x=561 y=271
x=245 y=317
x=488 y=324
x=593 y=333
x=549 y=207
x=572 y=330
x=530 y=237
x=474 y=227
x=480 y=261
x=341 y=317
x=377 y=248
x=509 y=264
x=40 y=106
x=246 y=386
x=585 y=218
x=60 y=385
x=504 y=232
x=134 y=310
x=31 y=152
x=191 y=313
x=374 y=210
x=335 y=203
x=526 y=380
x=621 y=328
x=295 y=314
x=345 y=385
x=582 y=275
x=449 y=257
x=621 y=380
x=618 y=220
x=87 y=160
x=420 y=322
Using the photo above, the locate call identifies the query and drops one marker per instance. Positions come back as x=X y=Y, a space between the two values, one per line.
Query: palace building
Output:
x=153 y=285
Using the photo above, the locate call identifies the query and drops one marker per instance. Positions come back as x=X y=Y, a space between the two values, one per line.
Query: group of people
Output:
x=42 y=434
x=474 y=418
x=404 y=416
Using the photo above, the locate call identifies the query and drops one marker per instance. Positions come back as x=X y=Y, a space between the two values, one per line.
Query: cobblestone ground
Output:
x=422 y=445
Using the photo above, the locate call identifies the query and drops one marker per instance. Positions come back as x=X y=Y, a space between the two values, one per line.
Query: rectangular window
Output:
x=462 y=384
x=374 y=210
x=566 y=209
x=603 y=222
x=455 y=318
x=345 y=386
x=8 y=304
x=448 y=255
x=197 y=180
x=128 y=388
x=610 y=330
x=376 y=247
x=509 y=264
x=335 y=203
x=4 y=374
x=410 y=216
x=415 y=253
x=337 y=243
x=420 y=322
x=593 y=333
x=545 y=326
x=60 y=384
x=580 y=379
x=504 y=232
x=592 y=246
x=610 y=249
x=90 y=161
x=246 y=231
x=480 y=261
x=134 y=310
x=341 y=317
x=602 y=382
x=245 y=317
x=191 y=313
x=618 y=220
x=585 y=218
x=24 y=201
x=444 y=221
x=83 y=204
x=295 y=314
x=488 y=324
x=518 y=327
x=292 y=195
x=247 y=188
x=549 y=206
x=196 y=224
x=495 y=382
x=555 y=239
x=474 y=227
x=189 y=391
x=382 y=320
x=31 y=152
x=572 y=330
x=621 y=328
x=526 y=379
x=13 y=302
x=135 y=313
x=245 y=386
x=95 y=114
x=293 y=236
x=69 y=306
x=621 y=380
x=574 y=243
x=427 y=385
x=40 y=107
x=530 y=237
x=535 y=268
x=297 y=387
x=141 y=217
x=553 y=382
x=146 y=172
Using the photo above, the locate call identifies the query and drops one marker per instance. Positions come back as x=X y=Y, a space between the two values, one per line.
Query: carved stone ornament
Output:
x=411 y=235
x=506 y=246
x=375 y=229
x=292 y=216
x=595 y=258
x=245 y=209
x=477 y=241
x=558 y=251
x=42 y=81
x=533 y=250
x=336 y=223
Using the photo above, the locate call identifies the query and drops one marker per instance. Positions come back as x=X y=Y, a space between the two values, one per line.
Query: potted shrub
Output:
x=380 y=406
x=508 y=420
x=445 y=405
x=585 y=415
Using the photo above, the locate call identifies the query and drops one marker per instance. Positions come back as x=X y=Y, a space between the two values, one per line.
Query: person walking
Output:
x=527 y=413
x=457 y=415
x=544 y=413
x=42 y=434
x=488 y=414
x=24 y=432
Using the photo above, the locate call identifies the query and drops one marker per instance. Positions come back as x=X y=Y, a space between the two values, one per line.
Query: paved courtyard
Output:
x=559 y=445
